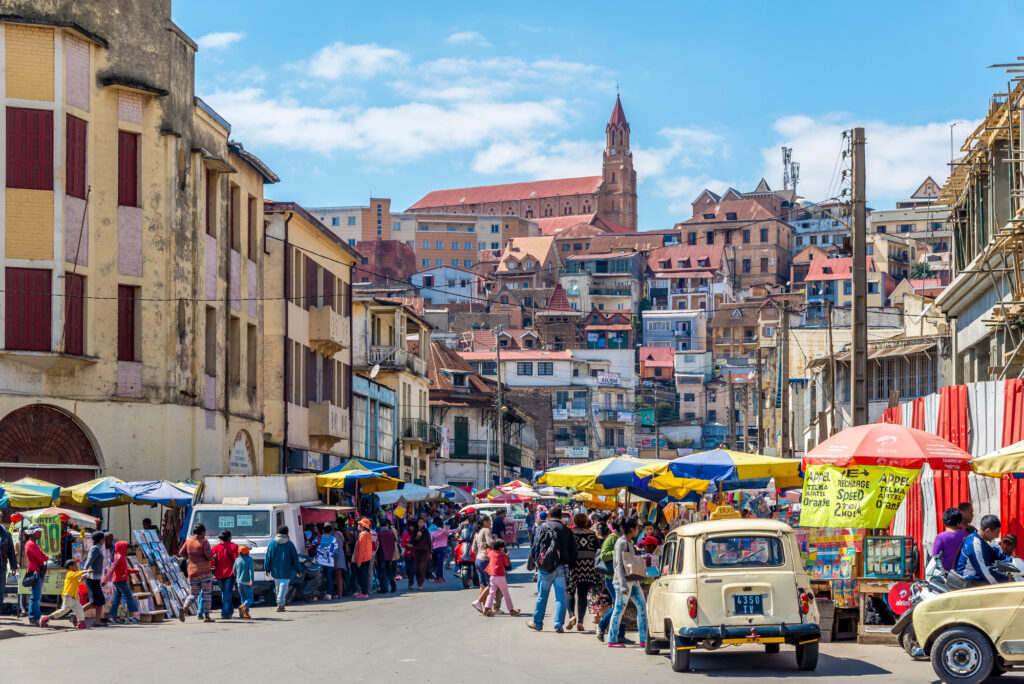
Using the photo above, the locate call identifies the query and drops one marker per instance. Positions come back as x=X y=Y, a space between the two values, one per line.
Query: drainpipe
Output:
x=287 y=366
x=227 y=316
x=351 y=357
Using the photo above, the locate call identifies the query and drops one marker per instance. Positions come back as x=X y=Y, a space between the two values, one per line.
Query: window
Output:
x=709 y=216
x=335 y=221
x=546 y=368
x=847 y=287
x=211 y=201
x=251 y=360
x=452 y=229
x=428 y=281
x=127 y=307
x=691 y=238
x=235 y=350
x=495 y=228
x=710 y=237
x=764 y=235
x=351 y=220
x=251 y=216
x=746 y=236
x=455 y=263
x=524 y=368
x=746 y=265
x=234 y=227
x=396 y=227
x=489 y=368
x=495 y=245
x=455 y=245
x=30 y=150
x=426 y=244
x=764 y=264
x=75 y=157
x=438 y=245
x=467 y=245
x=128 y=172
x=451 y=282
x=712 y=414
x=728 y=237
x=880 y=229
x=689 y=397
x=906 y=227
x=74 y=314
x=743 y=552
x=467 y=263
x=351 y=242
x=211 y=341
x=872 y=287
x=730 y=216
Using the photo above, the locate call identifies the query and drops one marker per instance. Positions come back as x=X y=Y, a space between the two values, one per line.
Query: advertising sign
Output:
x=862 y=496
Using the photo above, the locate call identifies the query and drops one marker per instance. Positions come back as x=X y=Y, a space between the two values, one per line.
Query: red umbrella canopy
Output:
x=510 y=499
x=888 y=444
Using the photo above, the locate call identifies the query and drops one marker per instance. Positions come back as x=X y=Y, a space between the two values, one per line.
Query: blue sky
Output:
x=347 y=99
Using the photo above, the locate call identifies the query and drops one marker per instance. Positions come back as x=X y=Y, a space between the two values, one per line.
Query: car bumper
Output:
x=760 y=634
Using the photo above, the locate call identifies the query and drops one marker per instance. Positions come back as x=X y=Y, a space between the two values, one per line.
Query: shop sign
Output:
x=445 y=450
x=49 y=543
x=577 y=413
x=560 y=414
x=863 y=496
x=608 y=378
x=240 y=457
x=577 y=452
x=571 y=461
x=899 y=597
x=306 y=460
x=53 y=581
x=624 y=417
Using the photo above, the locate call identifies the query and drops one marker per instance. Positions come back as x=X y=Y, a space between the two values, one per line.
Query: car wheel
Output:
x=962 y=655
x=680 y=654
x=771 y=649
x=807 y=656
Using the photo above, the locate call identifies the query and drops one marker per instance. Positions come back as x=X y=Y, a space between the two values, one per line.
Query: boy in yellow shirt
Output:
x=69 y=598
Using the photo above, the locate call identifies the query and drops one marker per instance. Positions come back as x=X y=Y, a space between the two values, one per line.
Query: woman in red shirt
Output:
x=497 y=562
x=224 y=555
x=36 y=562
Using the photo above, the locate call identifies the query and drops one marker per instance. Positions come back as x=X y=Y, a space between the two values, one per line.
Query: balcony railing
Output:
x=417 y=430
x=616 y=414
x=478 y=449
x=611 y=291
x=329 y=332
x=396 y=358
x=328 y=424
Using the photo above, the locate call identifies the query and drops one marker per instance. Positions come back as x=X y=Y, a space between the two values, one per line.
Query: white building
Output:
x=447 y=285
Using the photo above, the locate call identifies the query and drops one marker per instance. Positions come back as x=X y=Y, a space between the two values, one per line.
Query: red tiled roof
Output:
x=525 y=355
x=657 y=356
x=694 y=253
x=560 y=187
x=833 y=269
x=745 y=210
x=558 y=303
x=413 y=303
x=557 y=225
x=611 y=225
x=441 y=357
x=924 y=283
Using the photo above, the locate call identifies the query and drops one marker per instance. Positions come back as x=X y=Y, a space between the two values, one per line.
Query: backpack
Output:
x=547 y=549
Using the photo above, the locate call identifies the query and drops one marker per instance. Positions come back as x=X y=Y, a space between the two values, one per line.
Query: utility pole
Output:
x=784 y=380
x=859 y=357
x=759 y=396
x=501 y=410
x=732 y=416
x=831 y=374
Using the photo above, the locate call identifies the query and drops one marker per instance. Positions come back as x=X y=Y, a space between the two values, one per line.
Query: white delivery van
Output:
x=253 y=507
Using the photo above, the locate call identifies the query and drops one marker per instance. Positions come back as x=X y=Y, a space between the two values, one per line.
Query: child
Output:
x=244 y=570
x=69 y=598
x=119 y=572
x=497 y=561
x=94 y=576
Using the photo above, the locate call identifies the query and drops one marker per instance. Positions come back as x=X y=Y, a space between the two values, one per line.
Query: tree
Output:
x=921 y=270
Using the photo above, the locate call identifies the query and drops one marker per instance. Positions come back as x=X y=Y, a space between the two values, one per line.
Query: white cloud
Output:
x=218 y=41
x=383 y=134
x=898 y=157
x=686 y=147
x=337 y=60
x=538 y=158
x=683 y=189
x=467 y=38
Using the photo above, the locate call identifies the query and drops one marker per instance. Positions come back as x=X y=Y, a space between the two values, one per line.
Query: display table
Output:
x=868 y=633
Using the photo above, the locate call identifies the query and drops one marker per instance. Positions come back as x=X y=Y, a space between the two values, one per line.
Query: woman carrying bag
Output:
x=628 y=571
x=582 y=575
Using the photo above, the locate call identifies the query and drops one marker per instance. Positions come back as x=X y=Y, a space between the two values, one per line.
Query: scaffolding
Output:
x=985 y=194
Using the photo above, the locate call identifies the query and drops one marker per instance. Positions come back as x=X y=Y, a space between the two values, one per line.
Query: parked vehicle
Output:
x=732 y=582
x=975 y=633
x=937 y=581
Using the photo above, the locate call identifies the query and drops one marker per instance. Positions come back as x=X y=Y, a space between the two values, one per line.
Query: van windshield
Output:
x=743 y=552
x=243 y=522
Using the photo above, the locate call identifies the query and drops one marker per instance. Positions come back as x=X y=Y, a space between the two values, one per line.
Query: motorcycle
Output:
x=465 y=562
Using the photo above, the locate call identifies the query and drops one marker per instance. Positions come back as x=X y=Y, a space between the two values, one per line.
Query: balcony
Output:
x=611 y=291
x=616 y=414
x=329 y=332
x=477 y=449
x=416 y=430
x=328 y=425
x=396 y=359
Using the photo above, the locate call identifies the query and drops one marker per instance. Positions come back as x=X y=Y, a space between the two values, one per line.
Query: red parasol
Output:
x=888 y=444
x=510 y=499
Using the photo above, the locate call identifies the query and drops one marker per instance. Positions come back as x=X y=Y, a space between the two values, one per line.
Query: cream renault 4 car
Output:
x=732 y=582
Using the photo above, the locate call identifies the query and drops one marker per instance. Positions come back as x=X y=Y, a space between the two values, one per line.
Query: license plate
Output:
x=748 y=604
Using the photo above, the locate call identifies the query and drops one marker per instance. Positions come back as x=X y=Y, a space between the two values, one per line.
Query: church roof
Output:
x=560 y=187
x=618 y=117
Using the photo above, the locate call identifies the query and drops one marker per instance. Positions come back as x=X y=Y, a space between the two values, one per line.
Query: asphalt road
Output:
x=428 y=636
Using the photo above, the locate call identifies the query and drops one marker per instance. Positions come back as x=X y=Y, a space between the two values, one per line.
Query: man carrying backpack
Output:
x=553 y=551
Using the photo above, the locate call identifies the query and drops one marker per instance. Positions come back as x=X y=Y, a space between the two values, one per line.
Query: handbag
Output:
x=30 y=579
x=636 y=568
x=604 y=567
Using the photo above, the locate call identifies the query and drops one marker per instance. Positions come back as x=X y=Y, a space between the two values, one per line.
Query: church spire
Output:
x=618 y=118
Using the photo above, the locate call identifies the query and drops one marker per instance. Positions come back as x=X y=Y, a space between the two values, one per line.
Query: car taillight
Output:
x=805 y=602
x=691 y=605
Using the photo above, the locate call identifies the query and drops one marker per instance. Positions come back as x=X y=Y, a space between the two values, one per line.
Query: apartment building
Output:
x=689 y=277
x=830 y=283
x=449 y=285
x=528 y=262
x=607 y=282
x=676 y=330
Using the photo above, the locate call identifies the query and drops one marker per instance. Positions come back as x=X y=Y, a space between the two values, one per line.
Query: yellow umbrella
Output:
x=19 y=496
x=721 y=464
x=103 y=491
x=596 y=501
x=605 y=476
x=1006 y=461
x=366 y=481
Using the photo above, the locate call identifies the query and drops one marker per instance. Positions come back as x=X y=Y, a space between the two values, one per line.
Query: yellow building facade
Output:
x=131 y=246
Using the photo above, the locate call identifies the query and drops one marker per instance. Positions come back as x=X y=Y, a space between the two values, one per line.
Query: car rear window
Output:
x=743 y=552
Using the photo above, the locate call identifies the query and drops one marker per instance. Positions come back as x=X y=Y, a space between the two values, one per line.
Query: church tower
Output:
x=617 y=196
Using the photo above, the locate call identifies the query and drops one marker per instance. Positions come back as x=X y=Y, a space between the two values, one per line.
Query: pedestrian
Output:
x=93 y=577
x=1008 y=544
x=282 y=562
x=947 y=544
x=8 y=560
x=147 y=524
x=118 y=573
x=69 y=598
x=554 y=551
x=340 y=562
x=439 y=547
x=606 y=559
x=326 y=555
x=36 y=566
x=387 y=554
x=626 y=589
x=362 y=557
x=421 y=549
x=498 y=526
x=967 y=514
x=531 y=517
x=480 y=546
x=582 y=576
x=497 y=563
x=408 y=554
x=245 y=572
x=978 y=553
x=200 y=574
x=224 y=555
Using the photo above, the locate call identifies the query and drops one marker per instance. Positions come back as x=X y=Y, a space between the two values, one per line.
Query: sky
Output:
x=344 y=100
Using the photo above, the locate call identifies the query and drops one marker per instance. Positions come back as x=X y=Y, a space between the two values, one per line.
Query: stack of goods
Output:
x=161 y=574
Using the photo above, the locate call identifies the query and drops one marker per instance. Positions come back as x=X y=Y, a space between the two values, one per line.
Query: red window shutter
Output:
x=126 y=323
x=74 y=308
x=311 y=294
x=74 y=161
x=29 y=148
x=310 y=376
x=27 y=296
x=127 y=169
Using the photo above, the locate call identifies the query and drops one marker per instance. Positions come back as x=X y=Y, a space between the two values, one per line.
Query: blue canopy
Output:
x=372 y=466
x=157 y=492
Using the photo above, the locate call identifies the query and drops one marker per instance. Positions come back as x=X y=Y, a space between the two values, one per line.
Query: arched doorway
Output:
x=45 y=443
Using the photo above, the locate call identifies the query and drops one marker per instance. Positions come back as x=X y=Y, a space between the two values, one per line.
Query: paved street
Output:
x=433 y=636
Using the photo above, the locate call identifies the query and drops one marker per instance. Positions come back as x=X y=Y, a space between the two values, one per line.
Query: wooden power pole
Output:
x=831 y=375
x=784 y=380
x=732 y=416
x=759 y=397
x=859 y=323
